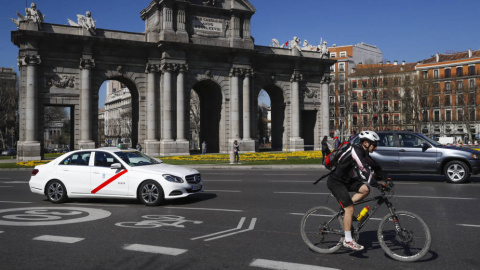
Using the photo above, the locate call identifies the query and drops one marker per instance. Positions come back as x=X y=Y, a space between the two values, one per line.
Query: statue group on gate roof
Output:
x=295 y=43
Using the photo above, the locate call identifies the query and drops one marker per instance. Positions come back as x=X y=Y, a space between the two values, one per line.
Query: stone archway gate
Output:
x=184 y=42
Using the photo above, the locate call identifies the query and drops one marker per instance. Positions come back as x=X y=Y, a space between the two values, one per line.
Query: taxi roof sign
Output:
x=122 y=146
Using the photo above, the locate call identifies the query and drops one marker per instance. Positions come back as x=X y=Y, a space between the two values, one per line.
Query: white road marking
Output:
x=469 y=225
x=155 y=249
x=285 y=174
x=98 y=204
x=304 y=193
x=239 y=226
x=59 y=239
x=398 y=196
x=222 y=181
x=15 y=182
x=269 y=264
x=250 y=228
x=290 y=181
x=1 y=231
x=206 y=209
x=211 y=190
x=13 y=202
x=428 y=197
x=301 y=214
x=225 y=173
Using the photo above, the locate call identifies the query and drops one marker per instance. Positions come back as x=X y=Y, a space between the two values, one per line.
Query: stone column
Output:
x=325 y=106
x=182 y=146
x=31 y=120
x=296 y=143
x=234 y=104
x=246 y=105
x=167 y=70
x=86 y=142
x=181 y=103
x=248 y=145
x=30 y=148
x=151 y=144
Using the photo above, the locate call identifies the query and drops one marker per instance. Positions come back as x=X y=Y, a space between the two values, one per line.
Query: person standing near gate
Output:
x=236 y=150
x=204 y=147
x=325 y=148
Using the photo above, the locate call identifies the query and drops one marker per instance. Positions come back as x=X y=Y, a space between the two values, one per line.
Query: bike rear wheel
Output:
x=322 y=230
x=407 y=242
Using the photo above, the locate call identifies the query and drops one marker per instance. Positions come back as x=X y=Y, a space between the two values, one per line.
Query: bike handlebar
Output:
x=387 y=186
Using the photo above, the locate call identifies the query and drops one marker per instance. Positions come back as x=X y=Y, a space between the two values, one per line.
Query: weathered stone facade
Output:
x=201 y=45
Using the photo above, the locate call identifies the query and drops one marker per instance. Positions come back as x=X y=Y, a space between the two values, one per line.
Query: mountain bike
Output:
x=403 y=235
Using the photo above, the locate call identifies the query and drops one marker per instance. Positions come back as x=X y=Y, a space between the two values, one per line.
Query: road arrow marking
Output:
x=229 y=232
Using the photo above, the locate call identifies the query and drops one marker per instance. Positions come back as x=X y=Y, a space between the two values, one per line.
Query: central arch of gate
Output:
x=198 y=45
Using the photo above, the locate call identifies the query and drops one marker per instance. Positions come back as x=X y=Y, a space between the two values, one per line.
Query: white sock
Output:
x=348 y=236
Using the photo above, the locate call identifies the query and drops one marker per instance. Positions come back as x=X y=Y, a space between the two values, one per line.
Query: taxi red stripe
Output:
x=113 y=178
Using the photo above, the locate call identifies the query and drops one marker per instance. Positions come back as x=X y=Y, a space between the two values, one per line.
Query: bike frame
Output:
x=381 y=199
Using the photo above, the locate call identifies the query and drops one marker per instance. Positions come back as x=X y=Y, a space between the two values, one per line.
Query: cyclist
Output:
x=342 y=180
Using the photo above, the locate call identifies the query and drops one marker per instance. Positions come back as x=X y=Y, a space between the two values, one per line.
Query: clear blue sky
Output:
x=410 y=30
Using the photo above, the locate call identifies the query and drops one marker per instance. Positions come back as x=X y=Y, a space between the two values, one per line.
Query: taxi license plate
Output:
x=196 y=187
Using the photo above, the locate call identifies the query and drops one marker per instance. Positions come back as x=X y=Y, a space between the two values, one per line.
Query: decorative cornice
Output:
x=152 y=68
x=87 y=63
x=296 y=76
x=29 y=60
x=167 y=67
x=236 y=72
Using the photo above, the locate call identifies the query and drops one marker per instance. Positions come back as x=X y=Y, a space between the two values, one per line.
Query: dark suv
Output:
x=411 y=152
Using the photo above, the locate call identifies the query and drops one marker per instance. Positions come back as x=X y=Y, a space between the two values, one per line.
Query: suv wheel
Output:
x=456 y=172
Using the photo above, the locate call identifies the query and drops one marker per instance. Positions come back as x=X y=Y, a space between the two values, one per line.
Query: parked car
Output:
x=411 y=152
x=113 y=173
x=9 y=152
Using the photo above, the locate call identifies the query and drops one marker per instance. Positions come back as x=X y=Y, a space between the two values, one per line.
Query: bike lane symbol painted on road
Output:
x=42 y=216
x=156 y=221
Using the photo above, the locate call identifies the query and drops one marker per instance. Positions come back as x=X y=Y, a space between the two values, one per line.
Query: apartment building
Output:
x=449 y=95
x=381 y=97
x=348 y=57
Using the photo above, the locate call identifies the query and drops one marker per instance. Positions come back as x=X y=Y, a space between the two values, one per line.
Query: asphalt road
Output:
x=245 y=219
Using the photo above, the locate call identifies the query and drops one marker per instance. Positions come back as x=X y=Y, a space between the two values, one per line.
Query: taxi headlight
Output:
x=173 y=178
x=475 y=156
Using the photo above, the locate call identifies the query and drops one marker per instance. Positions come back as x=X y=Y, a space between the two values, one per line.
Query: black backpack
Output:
x=333 y=158
x=330 y=162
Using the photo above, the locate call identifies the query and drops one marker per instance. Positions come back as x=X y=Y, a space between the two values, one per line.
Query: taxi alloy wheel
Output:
x=151 y=193
x=56 y=192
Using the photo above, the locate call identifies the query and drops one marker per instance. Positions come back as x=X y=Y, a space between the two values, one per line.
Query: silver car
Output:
x=411 y=152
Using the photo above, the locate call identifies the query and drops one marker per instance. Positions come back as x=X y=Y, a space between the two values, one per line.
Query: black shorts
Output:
x=341 y=190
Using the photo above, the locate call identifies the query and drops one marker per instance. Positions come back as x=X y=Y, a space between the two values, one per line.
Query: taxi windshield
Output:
x=135 y=158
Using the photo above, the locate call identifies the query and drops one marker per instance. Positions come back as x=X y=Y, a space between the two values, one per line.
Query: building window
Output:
x=448 y=100
x=341 y=77
x=385 y=81
x=343 y=54
x=459 y=71
x=365 y=120
x=375 y=107
x=459 y=115
x=447 y=73
x=471 y=84
x=459 y=85
x=436 y=116
x=354 y=84
x=375 y=95
x=471 y=70
x=436 y=101
x=332 y=100
x=460 y=101
x=385 y=106
x=471 y=98
x=342 y=100
x=448 y=115
x=435 y=74
x=425 y=74
x=385 y=119
x=341 y=67
x=396 y=119
x=342 y=112
x=355 y=108
x=364 y=83
x=374 y=83
x=333 y=55
x=365 y=108
x=448 y=86
x=364 y=95
x=472 y=115
x=332 y=68
x=396 y=106
x=341 y=89
x=385 y=94
x=332 y=89
x=375 y=119
x=354 y=121
x=436 y=87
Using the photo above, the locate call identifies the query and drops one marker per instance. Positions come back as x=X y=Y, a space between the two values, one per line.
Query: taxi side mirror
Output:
x=116 y=166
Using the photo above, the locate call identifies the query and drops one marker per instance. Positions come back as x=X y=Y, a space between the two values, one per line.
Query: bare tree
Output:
x=195 y=116
x=8 y=108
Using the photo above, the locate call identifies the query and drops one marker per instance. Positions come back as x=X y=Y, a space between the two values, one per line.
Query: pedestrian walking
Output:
x=336 y=142
x=139 y=147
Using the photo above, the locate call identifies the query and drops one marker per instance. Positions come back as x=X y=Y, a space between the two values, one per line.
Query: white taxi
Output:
x=111 y=172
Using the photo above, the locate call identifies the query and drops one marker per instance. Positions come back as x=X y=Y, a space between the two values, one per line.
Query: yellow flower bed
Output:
x=263 y=156
x=32 y=163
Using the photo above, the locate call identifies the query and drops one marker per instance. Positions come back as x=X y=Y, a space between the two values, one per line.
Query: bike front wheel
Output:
x=321 y=229
x=406 y=238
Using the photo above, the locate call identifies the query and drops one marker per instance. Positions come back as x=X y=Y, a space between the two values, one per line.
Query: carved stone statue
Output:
x=86 y=22
x=209 y=2
x=31 y=14
x=324 y=50
x=62 y=82
x=295 y=43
